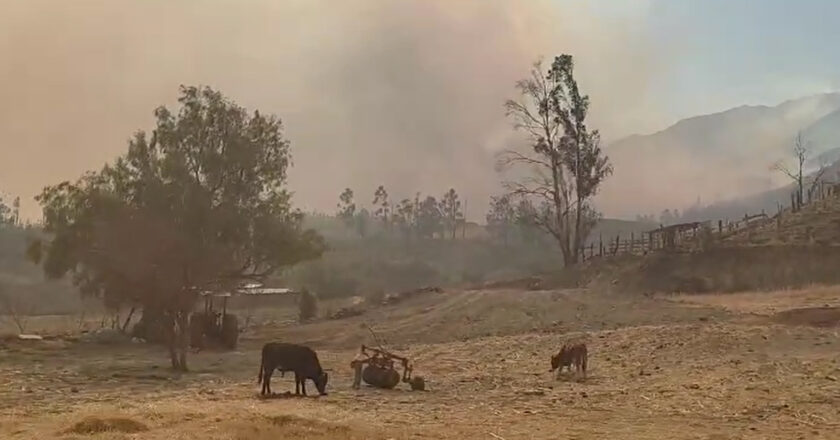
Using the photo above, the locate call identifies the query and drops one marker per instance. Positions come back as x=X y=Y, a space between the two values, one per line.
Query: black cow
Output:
x=300 y=359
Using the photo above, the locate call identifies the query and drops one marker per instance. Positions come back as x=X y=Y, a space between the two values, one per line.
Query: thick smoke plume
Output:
x=407 y=94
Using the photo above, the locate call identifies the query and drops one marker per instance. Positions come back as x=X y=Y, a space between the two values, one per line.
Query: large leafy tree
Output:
x=566 y=159
x=200 y=204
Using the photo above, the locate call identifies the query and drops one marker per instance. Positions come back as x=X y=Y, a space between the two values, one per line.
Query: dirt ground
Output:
x=676 y=367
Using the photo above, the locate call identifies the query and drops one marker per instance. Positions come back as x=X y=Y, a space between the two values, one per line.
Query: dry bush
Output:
x=289 y=426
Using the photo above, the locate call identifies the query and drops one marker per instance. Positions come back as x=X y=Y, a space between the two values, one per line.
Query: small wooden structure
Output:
x=669 y=237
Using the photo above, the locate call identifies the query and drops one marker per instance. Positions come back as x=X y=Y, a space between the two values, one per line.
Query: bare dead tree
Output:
x=566 y=161
x=816 y=178
x=800 y=153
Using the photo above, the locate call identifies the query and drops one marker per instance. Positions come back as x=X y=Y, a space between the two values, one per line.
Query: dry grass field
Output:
x=675 y=367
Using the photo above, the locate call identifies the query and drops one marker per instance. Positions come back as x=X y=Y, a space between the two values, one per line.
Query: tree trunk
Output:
x=178 y=324
x=800 y=185
x=579 y=199
x=183 y=339
x=563 y=225
x=172 y=341
x=577 y=239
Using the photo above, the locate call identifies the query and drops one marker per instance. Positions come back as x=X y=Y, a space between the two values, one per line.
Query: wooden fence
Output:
x=687 y=236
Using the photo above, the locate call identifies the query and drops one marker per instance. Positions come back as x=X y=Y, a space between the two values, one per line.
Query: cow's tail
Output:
x=262 y=367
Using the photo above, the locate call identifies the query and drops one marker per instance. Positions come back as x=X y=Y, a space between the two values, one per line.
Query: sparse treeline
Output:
x=667 y=217
x=567 y=167
x=10 y=213
x=417 y=218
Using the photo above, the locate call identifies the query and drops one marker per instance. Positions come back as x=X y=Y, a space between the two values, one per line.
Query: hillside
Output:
x=766 y=201
x=787 y=250
x=824 y=136
x=817 y=223
x=722 y=157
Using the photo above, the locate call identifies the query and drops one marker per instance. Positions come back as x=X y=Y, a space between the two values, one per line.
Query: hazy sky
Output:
x=405 y=93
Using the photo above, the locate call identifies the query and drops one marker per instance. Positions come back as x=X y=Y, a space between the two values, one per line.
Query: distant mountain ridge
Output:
x=722 y=158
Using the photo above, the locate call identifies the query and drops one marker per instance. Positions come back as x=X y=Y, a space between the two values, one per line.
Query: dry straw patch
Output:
x=767 y=303
x=96 y=425
x=658 y=369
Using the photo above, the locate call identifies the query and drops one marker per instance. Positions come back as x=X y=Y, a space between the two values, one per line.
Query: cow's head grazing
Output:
x=559 y=359
x=321 y=383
